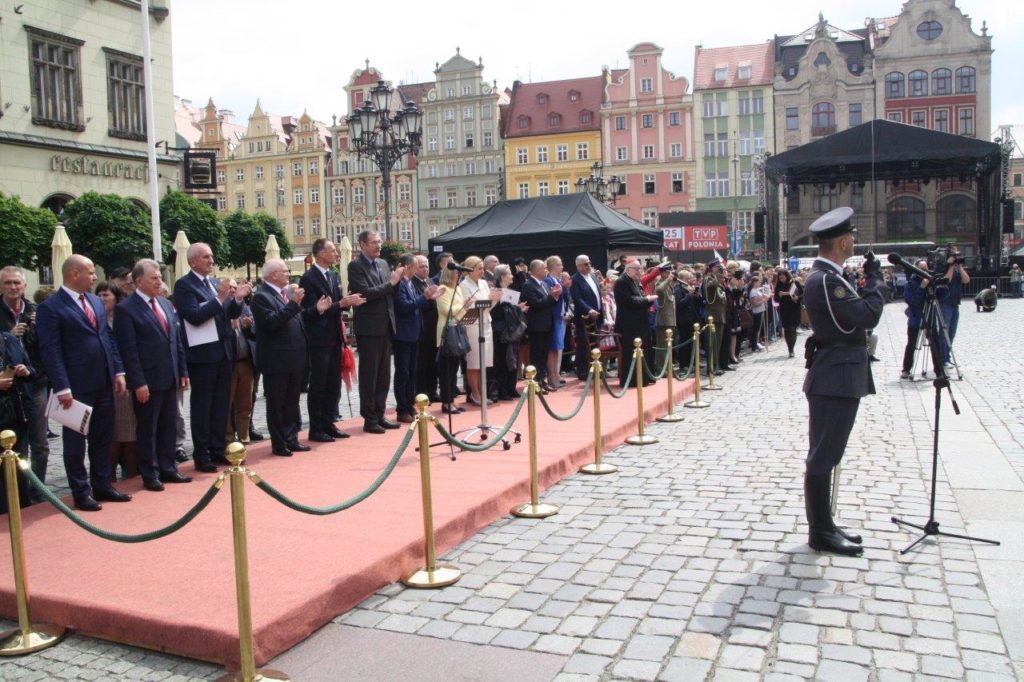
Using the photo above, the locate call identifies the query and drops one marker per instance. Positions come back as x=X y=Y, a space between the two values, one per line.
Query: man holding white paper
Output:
x=208 y=306
x=78 y=349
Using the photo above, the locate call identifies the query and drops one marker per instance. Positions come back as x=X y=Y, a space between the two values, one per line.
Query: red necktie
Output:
x=160 y=316
x=284 y=297
x=88 y=311
x=17 y=310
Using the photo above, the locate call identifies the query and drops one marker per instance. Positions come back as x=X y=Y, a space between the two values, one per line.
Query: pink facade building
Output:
x=646 y=132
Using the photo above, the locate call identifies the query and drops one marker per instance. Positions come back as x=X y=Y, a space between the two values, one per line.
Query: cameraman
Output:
x=914 y=295
x=949 y=299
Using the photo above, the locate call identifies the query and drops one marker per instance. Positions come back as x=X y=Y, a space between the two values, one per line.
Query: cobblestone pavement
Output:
x=691 y=562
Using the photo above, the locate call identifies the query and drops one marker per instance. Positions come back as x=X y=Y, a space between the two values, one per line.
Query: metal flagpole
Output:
x=154 y=188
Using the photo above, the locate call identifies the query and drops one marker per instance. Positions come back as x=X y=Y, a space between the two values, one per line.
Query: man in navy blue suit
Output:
x=199 y=300
x=405 y=342
x=149 y=341
x=78 y=348
x=586 y=303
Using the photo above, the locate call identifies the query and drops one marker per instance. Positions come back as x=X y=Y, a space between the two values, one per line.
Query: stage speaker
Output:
x=1007 y=216
x=785 y=246
x=759 y=227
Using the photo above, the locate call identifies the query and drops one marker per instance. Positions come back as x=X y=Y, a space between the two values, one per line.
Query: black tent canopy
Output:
x=565 y=225
x=882 y=150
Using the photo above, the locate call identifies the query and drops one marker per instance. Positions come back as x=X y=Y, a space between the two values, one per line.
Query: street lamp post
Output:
x=604 y=190
x=385 y=136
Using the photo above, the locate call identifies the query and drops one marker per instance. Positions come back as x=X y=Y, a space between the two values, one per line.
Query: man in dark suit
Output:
x=631 y=318
x=201 y=303
x=281 y=352
x=149 y=341
x=490 y=262
x=839 y=373
x=540 y=321
x=370 y=275
x=408 y=329
x=81 y=358
x=426 y=362
x=586 y=304
x=325 y=338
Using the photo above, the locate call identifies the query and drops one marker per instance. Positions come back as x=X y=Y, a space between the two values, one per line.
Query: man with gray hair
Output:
x=490 y=262
x=149 y=340
x=540 y=319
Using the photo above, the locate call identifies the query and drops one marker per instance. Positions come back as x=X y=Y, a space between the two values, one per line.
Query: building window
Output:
x=585 y=117
x=710 y=185
x=279 y=170
x=542 y=99
x=240 y=174
x=675 y=150
x=896 y=116
x=758 y=141
x=648 y=151
x=314 y=168
x=744 y=104
x=646 y=85
x=259 y=172
x=955 y=215
x=297 y=169
x=563 y=186
x=452 y=197
x=523 y=122
x=620 y=122
x=757 y=102
x=542 y=188
x=582 y=151
x=431 y=171
x=449 y=93
x=894 y=85
x=470 y=196
x=522 y=155
x=260 y=200
x=56 y=80
x=650 y=217
x=434 y=229
x=673 y=118
x=314 y=195
x=314 y=226
x=856 y=114
x=524 y=190
x=468 y=140
x=450 y=170
x=792 y=118
x=358 y=194
x=488 y=166
x=965 y=81
x=1018 y=179
x=449 y=114
x=221 y=177
x=404 y=191
x=240 y=201
x=488 y=139
x=722 y=105
x=300 y=227
x=490 y=196
x=222 y=204
x=919 y=119
x=721 y=73
x=298 y=197
x=1018 y=210
x=709 y=145
x=471 y=168
x=723 y=145
x=856 y=197
x=746 y=184
x=126 y=96
x=677 y=183
x=967 y=122
x=917 y=83
x=929 y=30
x=824 y=199
x=823 y=119
x=467 y=90
x=432 y=200
x=431 y=144
x=709 y=106
x=746 y=140
x=554 y=120
x=744 y=73
x=942 y=120
x=905 y=217
x=649 y=184
x=647 y=120
x=562 y=152
x=280 y=197
x=542 y=153
x=405 y=232
x=339 y=196
x=467 y=113
x=723 y=183
x=449 y=142
x=942 y=82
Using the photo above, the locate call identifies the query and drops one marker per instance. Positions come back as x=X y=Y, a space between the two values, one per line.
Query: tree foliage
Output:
x=25 y=233
x=391 y=251
x=179 y=211
x=246 y=239
x=272 y=226
x=111 y=230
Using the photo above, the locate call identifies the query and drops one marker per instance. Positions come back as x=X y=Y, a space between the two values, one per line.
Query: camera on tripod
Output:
x=938 y=258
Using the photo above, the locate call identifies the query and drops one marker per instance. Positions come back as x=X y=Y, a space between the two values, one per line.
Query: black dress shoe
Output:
x=206 y=467
x=221 y=460
x=335 y=432
x=373 y=427
x=852 y=537
x=87 y=503
x=256 y=435
x=111 y=495
x=823 y=535
x=298 y=447
x=175 y=477
x=283 y=452
x=406 y=419
x=318 y=437
x=435 y=398
x=180 y=456
x=388 y=424
x=152 y=484
x=449 y=408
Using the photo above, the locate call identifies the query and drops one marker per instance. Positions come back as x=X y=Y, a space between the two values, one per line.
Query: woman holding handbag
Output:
x=450 y=309
x=788 y=294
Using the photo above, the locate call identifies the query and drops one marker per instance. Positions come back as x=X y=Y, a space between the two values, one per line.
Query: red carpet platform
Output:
x=177 y=594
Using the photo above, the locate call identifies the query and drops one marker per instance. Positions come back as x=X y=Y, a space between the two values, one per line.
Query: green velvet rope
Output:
x=625 y=385
x=486 y=445
x=199 y=506
x=346 y=504
x=579 y=405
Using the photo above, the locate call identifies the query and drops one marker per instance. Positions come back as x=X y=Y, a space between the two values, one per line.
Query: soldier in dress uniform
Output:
x=718 y=307
x=839 y=373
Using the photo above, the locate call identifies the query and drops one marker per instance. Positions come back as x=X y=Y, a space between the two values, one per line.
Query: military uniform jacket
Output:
x=840 y=320
x=716 y=299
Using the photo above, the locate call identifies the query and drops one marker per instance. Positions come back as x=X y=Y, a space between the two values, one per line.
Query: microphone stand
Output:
x=448 y=319
x=931 y=328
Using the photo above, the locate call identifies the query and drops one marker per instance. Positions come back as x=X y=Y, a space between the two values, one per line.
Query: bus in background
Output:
x=912 y=251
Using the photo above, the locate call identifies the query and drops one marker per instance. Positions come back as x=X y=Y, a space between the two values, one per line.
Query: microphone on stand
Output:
x=460 y=268
x=897 y=259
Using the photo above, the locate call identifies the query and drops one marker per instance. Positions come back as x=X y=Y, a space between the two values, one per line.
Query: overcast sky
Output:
x=298 y=55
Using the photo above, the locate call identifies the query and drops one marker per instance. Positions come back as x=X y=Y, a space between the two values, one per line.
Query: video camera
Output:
x=938 y=258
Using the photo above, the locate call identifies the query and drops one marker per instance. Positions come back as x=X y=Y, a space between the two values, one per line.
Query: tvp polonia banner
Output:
x=696 y=238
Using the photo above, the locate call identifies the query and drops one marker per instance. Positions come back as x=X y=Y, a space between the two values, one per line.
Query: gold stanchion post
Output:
x=713 y=347
x=433 y=574
x=533 y=510
x=672 y=415
x=835 y=488
x=236 y=478
x=597 y=467
x=697 y=402
x=639 y=438
x=28 y=637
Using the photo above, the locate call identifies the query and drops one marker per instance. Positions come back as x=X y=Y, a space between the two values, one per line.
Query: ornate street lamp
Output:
x=602 y=189
x=385 y=137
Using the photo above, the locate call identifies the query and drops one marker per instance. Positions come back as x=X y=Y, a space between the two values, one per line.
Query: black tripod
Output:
x=930 y=326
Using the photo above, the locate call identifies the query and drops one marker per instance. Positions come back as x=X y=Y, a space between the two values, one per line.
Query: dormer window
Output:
x=574 y=95
x=721 y=73
x=743 y=73
x=523 y=122
x=585 y=117
x=554 y=120
x=542 y=99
